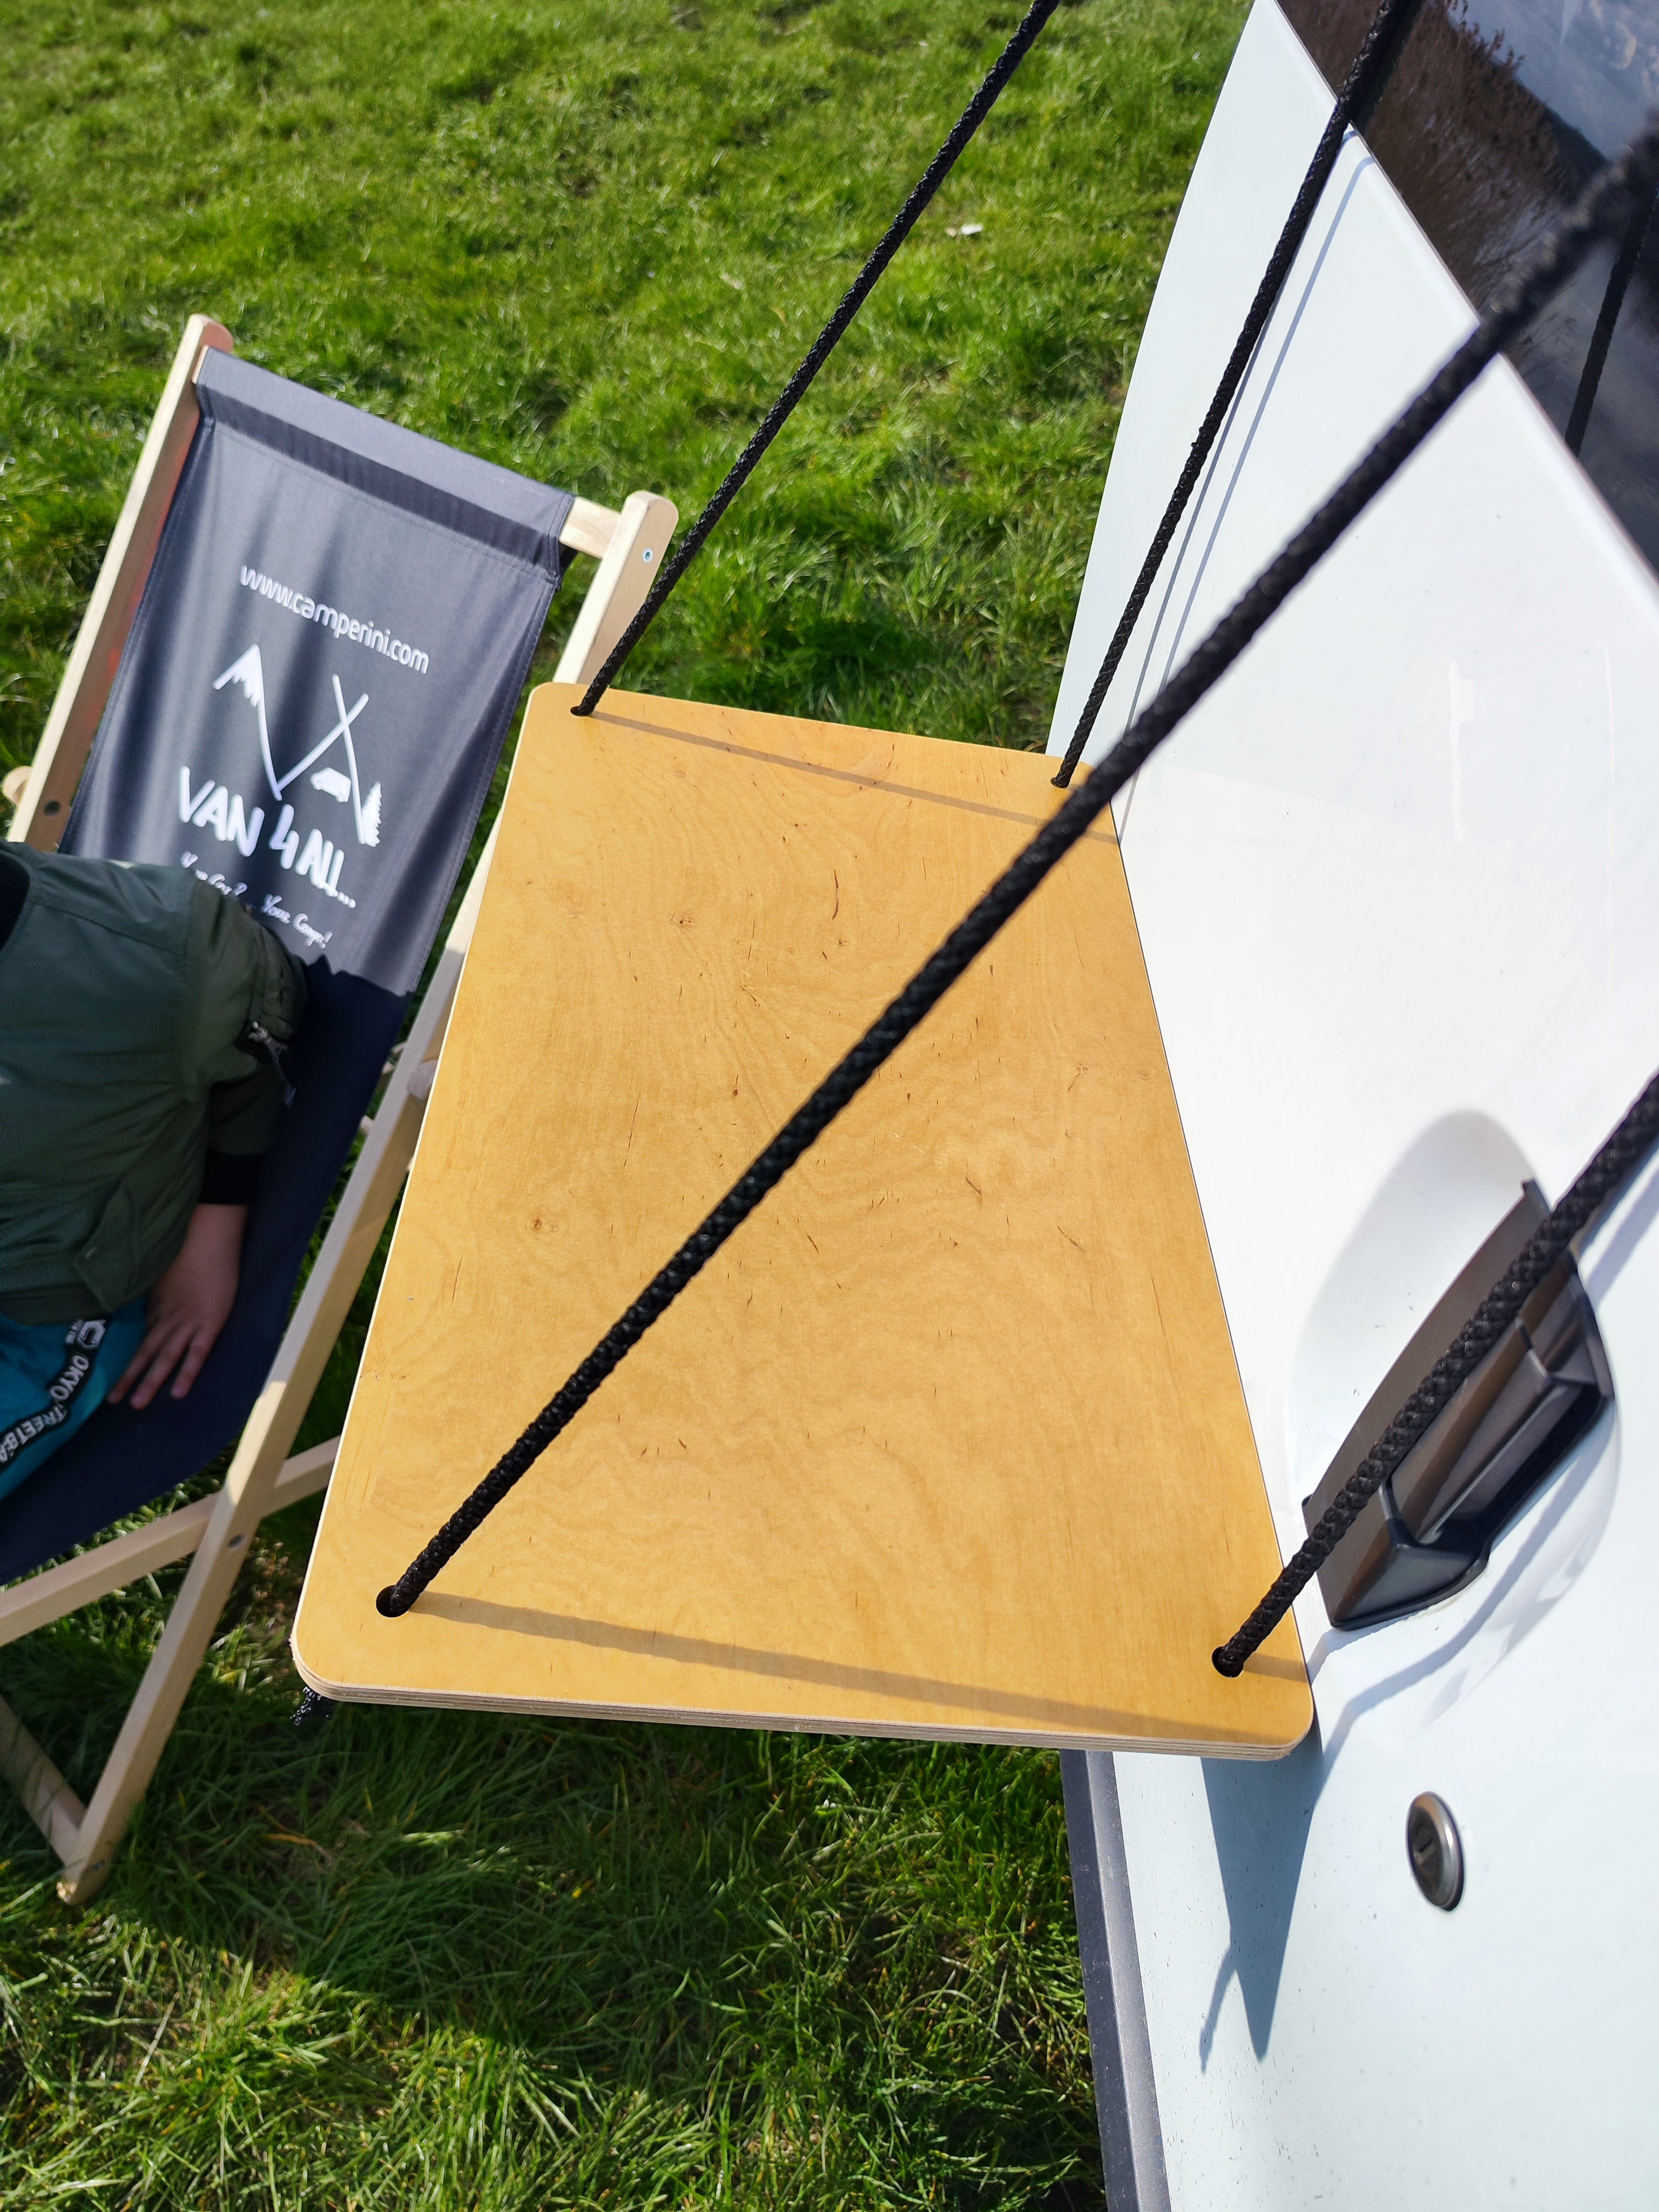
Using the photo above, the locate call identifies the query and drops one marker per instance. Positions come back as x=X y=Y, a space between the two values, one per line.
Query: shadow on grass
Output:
x=791 y=1952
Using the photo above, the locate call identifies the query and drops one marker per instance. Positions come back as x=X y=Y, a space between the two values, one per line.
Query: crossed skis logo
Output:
x=215 y=807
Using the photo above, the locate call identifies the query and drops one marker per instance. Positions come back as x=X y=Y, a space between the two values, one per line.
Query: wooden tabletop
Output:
x=949 y=1440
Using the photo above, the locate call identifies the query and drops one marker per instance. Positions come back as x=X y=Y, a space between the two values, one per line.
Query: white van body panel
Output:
x=1397 y=883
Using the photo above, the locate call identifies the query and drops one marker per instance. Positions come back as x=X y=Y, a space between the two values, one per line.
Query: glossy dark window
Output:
x=1498 y=112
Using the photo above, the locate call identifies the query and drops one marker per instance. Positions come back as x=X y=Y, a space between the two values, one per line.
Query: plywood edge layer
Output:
x=423 y=1699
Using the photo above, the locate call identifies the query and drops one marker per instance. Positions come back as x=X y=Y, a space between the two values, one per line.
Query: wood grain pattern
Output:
x=949 y=1441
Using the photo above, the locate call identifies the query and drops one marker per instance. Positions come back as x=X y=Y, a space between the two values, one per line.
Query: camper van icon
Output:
x=248 y=675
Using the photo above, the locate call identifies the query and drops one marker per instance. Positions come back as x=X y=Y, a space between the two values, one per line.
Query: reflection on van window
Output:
x=1497 y=113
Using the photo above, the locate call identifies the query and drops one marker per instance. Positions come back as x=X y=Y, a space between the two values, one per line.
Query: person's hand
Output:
x=188 y=1307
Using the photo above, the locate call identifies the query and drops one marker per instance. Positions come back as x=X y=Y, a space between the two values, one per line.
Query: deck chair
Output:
x=282 y=561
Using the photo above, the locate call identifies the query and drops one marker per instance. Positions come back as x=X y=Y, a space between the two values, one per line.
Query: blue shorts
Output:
x=52 y=1376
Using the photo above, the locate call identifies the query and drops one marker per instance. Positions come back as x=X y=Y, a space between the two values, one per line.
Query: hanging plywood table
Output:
x=949 y=1441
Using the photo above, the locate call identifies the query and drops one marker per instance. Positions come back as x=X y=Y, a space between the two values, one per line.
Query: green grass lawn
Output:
x=454 y=1962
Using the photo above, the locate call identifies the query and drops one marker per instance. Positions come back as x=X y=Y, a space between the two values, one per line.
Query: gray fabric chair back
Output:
x=314 y=693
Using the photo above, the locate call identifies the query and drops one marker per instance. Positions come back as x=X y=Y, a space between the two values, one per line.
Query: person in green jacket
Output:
x=142 y=1019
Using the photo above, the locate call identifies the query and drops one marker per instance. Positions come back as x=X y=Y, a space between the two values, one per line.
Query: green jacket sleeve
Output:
x=242 y=1116
x=246 y=997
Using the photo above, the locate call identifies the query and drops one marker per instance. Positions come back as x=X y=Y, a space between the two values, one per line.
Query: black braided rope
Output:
x=1355 y=103
x=1607 y=202
x=1596 y=354
x=1602 y=1180
x=313 y=1709
x=823 y=346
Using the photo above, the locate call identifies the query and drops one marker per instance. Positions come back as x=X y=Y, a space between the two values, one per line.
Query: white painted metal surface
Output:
x=1398 y=886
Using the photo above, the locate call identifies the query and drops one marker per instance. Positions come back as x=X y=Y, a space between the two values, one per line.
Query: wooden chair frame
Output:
x=263 y=1477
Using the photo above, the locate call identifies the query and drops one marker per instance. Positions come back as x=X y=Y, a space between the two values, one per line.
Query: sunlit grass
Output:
x=444 y=1961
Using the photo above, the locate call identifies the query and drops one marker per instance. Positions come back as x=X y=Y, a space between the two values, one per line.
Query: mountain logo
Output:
x=248 y=676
